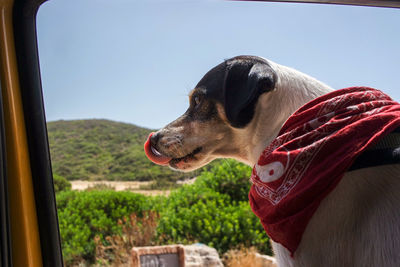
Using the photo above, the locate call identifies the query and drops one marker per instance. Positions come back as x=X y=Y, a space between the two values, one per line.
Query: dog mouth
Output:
x=159 y=158
x=173 y=162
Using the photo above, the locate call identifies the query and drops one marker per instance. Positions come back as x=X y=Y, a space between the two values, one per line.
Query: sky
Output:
x=136 y=61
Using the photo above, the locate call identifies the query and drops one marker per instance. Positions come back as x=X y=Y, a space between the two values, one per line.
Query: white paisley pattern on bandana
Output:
x=284 y=162
x=313 y=150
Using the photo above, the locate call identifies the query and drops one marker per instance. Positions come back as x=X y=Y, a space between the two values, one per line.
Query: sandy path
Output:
x=119 y=186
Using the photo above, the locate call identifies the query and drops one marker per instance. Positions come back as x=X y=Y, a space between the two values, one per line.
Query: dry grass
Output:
x=141 y=231
x=242 y=257
x=135 y=232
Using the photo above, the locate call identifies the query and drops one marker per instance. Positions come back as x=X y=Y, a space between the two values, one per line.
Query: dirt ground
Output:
x=119 y=186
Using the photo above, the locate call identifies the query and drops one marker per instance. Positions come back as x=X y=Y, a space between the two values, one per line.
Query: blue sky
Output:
x=136 y=61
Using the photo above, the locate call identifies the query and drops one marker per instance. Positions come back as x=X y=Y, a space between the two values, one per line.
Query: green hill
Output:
x=103 y=150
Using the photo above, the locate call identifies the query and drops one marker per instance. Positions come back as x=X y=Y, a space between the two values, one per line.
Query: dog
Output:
x=236 y=110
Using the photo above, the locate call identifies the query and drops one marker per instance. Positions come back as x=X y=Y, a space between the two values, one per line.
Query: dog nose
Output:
x=154 y=138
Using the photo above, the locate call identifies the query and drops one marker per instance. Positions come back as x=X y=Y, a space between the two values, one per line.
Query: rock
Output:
x=196 y=255
x=200 y=255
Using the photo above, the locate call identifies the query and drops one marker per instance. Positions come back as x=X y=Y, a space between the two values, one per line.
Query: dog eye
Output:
x=197 y=100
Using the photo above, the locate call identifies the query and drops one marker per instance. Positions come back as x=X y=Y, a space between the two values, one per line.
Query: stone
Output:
x=200 y=255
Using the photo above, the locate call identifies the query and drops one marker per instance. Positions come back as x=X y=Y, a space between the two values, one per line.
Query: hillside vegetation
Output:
x=104 y=150
x=214 y=210
x=101 y=225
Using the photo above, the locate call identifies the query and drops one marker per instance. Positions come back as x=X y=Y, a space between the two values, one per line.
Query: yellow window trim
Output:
x=24 y=228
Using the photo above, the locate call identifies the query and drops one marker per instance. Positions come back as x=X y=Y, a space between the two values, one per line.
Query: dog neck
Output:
x=292 y=90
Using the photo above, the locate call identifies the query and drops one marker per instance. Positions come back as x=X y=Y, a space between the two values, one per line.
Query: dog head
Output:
x=222 y=107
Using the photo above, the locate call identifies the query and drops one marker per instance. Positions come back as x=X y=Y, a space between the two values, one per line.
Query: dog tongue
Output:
x=153 y=154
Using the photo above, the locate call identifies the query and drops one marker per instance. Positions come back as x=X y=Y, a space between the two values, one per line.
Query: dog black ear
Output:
x=244 y=83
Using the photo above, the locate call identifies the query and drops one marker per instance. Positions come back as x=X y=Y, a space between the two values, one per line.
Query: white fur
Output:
x=358 y=223
x=292 y=90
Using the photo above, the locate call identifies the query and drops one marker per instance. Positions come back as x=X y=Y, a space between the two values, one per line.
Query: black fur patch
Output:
x=237 y=84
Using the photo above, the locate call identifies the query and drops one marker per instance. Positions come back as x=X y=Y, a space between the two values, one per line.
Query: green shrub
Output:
x=60 y=183
x=194 y=214
x=229 y=177
x=84 y=215
x=214 y=211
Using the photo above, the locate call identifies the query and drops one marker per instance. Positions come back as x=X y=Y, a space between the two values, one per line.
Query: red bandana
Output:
x=313 y=150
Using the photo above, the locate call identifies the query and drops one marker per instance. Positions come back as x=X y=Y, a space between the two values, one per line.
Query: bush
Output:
x=135 y=232
x=60 y=183
x=230 y=178
x=214 y=211
x=84 y=215
x=193 y=214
